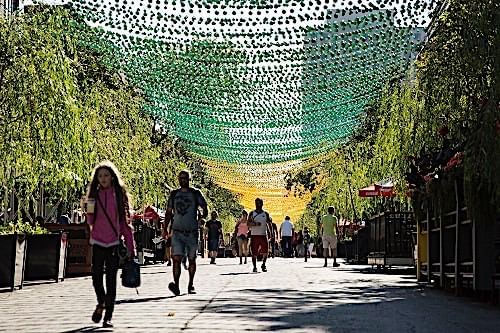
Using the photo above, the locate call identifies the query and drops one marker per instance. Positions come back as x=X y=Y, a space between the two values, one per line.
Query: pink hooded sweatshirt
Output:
x=102 y=231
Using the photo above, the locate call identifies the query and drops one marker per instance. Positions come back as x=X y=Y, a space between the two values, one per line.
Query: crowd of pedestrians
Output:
x=185 y=232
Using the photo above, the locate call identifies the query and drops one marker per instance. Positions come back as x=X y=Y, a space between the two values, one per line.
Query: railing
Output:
x=8 y=6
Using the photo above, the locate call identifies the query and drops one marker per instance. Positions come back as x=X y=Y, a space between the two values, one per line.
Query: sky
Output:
x=260 y=20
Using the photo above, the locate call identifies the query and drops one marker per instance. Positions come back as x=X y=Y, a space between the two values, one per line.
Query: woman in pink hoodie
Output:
x=108 y=216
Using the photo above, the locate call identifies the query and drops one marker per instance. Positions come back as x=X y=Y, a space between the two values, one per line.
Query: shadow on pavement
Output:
x=350 y=305
x=90 y=329
x=410 y=271
x=334 y=309
x=143 y=300
x=242 y=273
x=151 y=273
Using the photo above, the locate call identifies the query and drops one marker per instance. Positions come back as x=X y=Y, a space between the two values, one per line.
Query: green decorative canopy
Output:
x=258 y=82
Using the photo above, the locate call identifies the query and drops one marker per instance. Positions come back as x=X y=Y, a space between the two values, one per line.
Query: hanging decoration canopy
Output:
x=257 y=88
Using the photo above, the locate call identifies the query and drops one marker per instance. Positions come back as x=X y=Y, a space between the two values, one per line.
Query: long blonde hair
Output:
x=123 y=198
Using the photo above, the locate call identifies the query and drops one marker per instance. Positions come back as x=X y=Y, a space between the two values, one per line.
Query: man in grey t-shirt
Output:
x=182 y=218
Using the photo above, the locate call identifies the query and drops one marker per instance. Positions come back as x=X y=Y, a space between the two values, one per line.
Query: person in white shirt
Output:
x=286 y=232
x=260 y=224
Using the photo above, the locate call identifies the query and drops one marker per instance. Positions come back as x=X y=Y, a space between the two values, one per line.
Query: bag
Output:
x=131 y=274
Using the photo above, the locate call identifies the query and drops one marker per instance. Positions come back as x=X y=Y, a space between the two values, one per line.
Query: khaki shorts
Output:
x=330 y=242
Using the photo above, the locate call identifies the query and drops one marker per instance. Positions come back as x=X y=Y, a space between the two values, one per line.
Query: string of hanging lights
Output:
x=257 y=85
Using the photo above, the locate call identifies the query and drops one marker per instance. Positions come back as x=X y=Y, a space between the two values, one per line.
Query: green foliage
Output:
x=378 y=151
x=457 y=85
x=226 y=204
x=460 y=74
x=22 y=228
x=64 y=108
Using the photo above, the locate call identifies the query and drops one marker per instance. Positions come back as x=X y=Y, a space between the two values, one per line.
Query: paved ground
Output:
x=292 y=297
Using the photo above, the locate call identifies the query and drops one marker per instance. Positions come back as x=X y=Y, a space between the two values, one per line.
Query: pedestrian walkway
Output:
x=293 y=296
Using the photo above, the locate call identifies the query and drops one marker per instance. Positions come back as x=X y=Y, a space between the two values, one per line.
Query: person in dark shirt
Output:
x=274 y=239
x=214 y=230
x=201 y=245
x=300 y=244
x=63 y=219
x=307 y=241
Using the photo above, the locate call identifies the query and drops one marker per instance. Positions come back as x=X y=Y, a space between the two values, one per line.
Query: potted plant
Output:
x=12 y=260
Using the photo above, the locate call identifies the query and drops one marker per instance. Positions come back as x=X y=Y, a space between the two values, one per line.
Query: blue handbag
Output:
x=131 y=274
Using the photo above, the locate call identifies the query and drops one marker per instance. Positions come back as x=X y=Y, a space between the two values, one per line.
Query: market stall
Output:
x=147 y=235
x=391 y=231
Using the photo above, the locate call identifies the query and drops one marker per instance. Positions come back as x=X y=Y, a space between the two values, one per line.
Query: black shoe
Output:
x=174 y=289
x=324 y=265
x=241 y=261
x=245 y=261
x=191 y=290
x=169 y=263
x=264 y=268
x=107 y=323
x=97 y=315
x=336 y=264
x=212 y=261
x=255 y=269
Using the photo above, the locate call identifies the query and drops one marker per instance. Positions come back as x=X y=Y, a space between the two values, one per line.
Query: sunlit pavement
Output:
x=292 y=296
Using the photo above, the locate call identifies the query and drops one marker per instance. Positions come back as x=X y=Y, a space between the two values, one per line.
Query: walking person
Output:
x=214 y=230
x=274 y=239
x=329 y=235
x=307 y=241
x=286 y=231
x=241 y=230
x=294 y=244
x=108 y=217
x=168 y=250
x=201 y=246
x=300 y=244
x=259 y=222
x=182 y=213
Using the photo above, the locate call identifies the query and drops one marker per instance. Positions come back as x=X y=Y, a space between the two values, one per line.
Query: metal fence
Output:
x=8 y=6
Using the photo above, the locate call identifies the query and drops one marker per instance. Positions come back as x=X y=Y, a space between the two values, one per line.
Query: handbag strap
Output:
x=107 y=216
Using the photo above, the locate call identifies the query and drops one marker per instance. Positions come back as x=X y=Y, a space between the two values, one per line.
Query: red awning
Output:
x=370 y=191
x=150 y=213
x=380 y=189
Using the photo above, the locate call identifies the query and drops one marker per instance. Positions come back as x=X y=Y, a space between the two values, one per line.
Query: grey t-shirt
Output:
x=185 y=206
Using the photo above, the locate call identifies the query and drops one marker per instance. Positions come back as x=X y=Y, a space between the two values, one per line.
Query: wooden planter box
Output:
x=46 y=257
x=79 y=252
x=12 y=260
